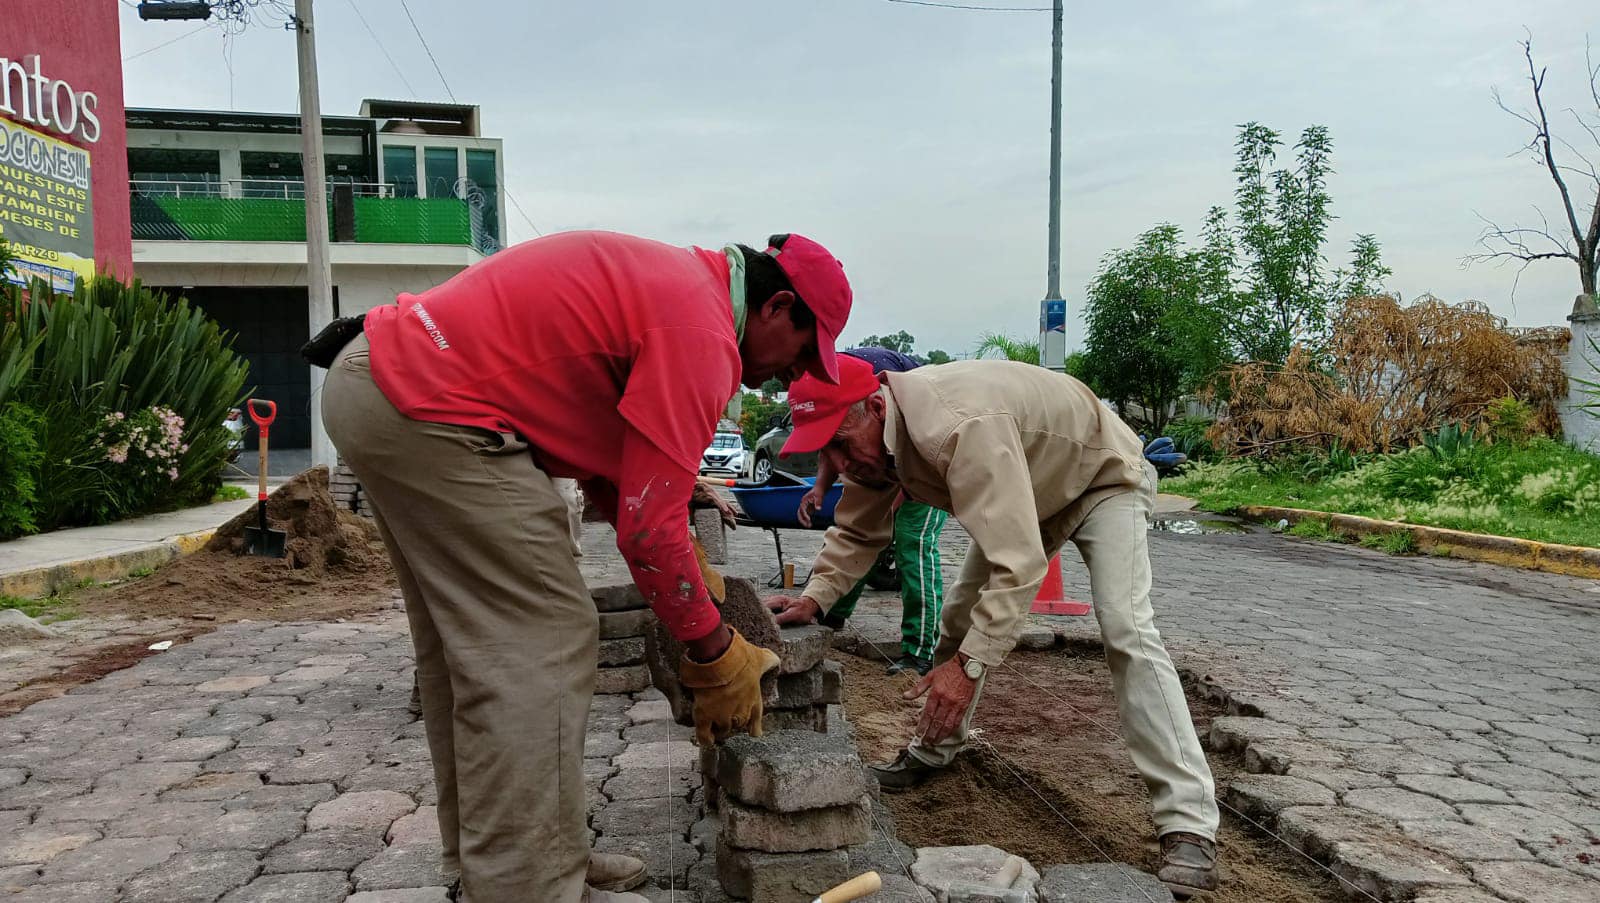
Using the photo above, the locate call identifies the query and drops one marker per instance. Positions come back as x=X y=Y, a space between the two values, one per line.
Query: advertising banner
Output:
x=46 y=207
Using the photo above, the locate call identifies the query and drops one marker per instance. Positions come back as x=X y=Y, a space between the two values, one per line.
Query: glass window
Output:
x=345 y=168
x=270 y=174
x=727 y=440
x=400 y=169
x=153 y=170
x=442 y=171
x=481 y=172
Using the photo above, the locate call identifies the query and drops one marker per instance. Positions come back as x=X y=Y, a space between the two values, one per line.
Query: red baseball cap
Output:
x=818 y=278
x=818 y=408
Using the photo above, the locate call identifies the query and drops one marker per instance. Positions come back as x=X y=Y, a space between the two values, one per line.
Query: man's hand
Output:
x=949 y=693
x=704 y=496
x=793 y=609
x=811 y=501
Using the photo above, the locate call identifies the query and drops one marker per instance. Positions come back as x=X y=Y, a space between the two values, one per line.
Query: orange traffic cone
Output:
x=1052 y=598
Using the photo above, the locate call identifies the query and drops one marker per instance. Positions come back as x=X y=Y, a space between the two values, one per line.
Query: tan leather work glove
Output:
x=727 y=691
x=713 y=580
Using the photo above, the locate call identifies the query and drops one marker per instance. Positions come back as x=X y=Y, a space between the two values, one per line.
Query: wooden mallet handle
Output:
x=854 y=889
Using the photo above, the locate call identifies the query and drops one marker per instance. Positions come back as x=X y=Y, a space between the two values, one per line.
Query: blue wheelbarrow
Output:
x=772 y=505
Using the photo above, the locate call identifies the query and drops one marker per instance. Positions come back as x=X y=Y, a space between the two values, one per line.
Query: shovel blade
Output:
x=266 y=543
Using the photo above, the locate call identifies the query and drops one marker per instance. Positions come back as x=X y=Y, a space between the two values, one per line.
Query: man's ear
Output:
x=777 y=306
x=877 y=407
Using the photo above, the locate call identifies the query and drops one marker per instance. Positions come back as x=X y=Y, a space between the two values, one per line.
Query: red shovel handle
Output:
x=262 y=420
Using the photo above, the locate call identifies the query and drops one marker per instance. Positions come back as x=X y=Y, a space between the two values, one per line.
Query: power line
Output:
x=379 y=42
x=169 y=43
x=529 y=220
x=428 y=50
x=983 y=9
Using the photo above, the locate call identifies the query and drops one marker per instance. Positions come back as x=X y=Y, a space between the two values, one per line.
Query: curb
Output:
x=37 y=583
x=1554 y=558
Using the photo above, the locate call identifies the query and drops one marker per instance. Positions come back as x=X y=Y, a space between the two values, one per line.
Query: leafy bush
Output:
x=111 y=349
x=19 y=468
x=1189 y=436
x=1508 y=419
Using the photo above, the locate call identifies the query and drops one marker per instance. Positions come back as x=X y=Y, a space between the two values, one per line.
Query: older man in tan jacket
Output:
x=1026 y=460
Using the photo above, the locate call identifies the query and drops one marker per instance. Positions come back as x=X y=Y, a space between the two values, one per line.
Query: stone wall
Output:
x=1582 y=427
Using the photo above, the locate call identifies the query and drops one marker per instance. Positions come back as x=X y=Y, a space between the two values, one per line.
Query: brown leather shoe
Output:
x=1188 y=864
x=614 y=872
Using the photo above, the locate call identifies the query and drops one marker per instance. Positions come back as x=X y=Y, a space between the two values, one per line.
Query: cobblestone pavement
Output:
x=78 y=642
x=1426 y=726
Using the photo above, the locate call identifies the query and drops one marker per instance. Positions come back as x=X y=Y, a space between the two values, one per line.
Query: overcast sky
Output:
x=913 y=142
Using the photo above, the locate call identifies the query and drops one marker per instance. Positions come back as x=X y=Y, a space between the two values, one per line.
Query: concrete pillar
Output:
x=1582 y=425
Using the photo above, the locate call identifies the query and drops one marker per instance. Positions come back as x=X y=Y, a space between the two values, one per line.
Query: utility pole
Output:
x=319 y=270
x=1053 y=309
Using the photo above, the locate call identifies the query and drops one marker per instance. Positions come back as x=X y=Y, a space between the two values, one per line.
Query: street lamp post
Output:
x=1053 y=309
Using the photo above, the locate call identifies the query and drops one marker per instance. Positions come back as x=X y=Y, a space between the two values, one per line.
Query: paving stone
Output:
x=1533 y=882
x=222 y=785
x=400 y=867
x=1035 y=637
x=1453 y=790
x=300 y=797
x=754 y=875
x=620 y=624
x=900 y=889
x=193 y=878
x=1448 y=721
x=656 y=730
x=1401 y=805
x=246 y=829
x=1539 y=731
x=754 y=828
x=1509 y=776
x=361 y=809
x=70 y=892
x=163 y=819
x=617 y=597
x=1520 y=822
x=627 y=679
x=43 y=843
x=102 y=805
x=626 y=818
x=832 y=682
x=667 y=860
x=147 y=777
x=1464 y=842
x=1356 y=844
x=647 y=711
x=405 y=895
x=259 y=705
x=337 y=850
x=233 y=684
x=814 y=719
x=803 y=647
x=622 y=651
x=679 y=753
x=940 y=868
x=12 y=777
x=651 y=783
x=789 y=771
x=1261 y=796
x=37 y=792
x=230 y=725
x=1099 y=883
x=287 y=731
x=14 y=878
x=1338 y=779
x=1454 y=895
x=1276 y=756
x=799 y=691
x=111 y=859
x=420 y=828
x=309 y=887
x=602 y=745
x=326 y=765
x=189 y=749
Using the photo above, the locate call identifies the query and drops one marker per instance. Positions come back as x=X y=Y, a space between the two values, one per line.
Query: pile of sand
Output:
x=335 y=565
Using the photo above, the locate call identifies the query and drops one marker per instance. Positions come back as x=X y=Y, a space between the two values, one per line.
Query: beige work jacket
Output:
x=1019 y=454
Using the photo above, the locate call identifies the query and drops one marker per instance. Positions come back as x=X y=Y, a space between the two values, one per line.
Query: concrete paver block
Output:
x=799 y=691
x=803 y=647
x=1398 y=804
x=832 y=682
x=712 y=533
x=233 y=684
x=1035 y=637
x=939 y=869
x=193 y=878
x=246 y=829
x=419 y=829
x=617 y=597
x=812 y=718
x=619 y=624
x=362 y=809
x=779 y=877
x=111 y=859
x=1261 y=796
x=42 y=844
x=830 y=828
x=337 y=850
x=304 y=887
x=622 y=651
x=1099 y=883
x=679 y=754
x=790 y=771
x=402 y=895
x=626 y=679
x=400 y=867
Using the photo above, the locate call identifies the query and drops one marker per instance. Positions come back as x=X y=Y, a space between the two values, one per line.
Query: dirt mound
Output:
x=335 y=565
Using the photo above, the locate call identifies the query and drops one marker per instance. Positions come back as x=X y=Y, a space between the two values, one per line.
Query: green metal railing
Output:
x=411 y=221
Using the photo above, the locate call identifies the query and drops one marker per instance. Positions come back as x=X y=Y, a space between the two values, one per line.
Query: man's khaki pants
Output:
x=1155 y=716
x=505 y=633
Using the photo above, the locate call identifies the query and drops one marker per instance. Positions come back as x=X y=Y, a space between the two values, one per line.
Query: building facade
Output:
x=415 y=195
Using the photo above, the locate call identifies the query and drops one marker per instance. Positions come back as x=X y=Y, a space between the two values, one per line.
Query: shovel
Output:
x=261 y=540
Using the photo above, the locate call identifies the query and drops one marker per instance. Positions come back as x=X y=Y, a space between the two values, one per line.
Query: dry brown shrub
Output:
x=1393 y=374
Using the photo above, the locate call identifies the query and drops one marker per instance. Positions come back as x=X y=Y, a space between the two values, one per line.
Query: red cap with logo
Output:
x=818 y=278
x=818 y=408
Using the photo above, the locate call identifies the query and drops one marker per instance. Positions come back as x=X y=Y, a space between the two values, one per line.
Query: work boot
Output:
x=1188 y=864
x=614 y=871
x=905 y=772
x=590 y=895
x=909 y=662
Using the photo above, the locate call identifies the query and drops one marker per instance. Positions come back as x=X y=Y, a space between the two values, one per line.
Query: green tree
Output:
x=1005 y=347
x=1277 y=245
x=771 y=388
x=938 y=356
x=901 y=341
x=1155 y=327
x=755 y=415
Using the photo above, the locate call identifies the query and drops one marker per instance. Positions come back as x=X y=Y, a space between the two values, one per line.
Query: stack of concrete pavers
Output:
x=625 y=621
x=346 y=490
x=791 y=803
x=973 y=874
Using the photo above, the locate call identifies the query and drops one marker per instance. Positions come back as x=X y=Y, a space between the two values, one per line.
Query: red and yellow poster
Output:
x=46 y=207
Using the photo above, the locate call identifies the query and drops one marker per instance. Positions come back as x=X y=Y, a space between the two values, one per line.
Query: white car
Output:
x=726 y=455
x=236 y=427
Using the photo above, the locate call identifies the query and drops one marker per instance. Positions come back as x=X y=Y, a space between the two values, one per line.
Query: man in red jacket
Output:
x=590 y=355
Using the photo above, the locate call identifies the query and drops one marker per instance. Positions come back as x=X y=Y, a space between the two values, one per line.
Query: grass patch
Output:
x=1314 y=529
x=138 y=573
x=230 y=493
x=1390 y=543
x=1540 y=490
x=46 y=611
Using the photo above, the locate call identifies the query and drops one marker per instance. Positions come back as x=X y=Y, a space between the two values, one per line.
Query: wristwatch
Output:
x=972 y=668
